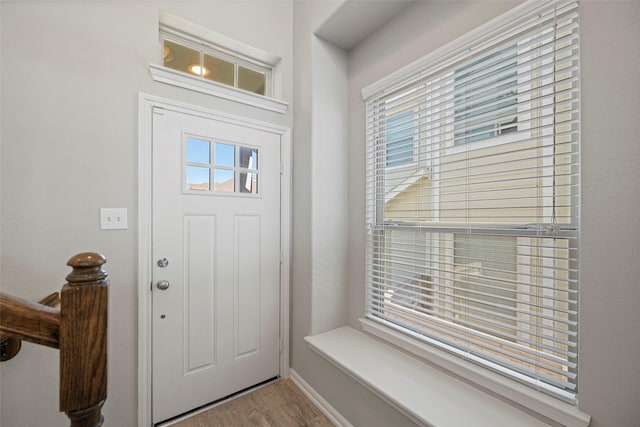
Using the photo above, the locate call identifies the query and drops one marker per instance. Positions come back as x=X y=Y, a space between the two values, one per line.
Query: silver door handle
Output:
x=163 y=285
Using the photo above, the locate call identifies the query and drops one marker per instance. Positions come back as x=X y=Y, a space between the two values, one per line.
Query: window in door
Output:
x=215 y=167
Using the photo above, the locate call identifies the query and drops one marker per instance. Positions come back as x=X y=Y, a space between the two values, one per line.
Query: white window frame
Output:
x=206 y=48
x=237 y=170
x=508 y=388
x=183 y=32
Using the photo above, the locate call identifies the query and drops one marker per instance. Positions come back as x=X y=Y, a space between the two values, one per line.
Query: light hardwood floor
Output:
x=279 y=404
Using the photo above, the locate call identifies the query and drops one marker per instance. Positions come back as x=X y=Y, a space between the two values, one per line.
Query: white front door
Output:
x=216 y=252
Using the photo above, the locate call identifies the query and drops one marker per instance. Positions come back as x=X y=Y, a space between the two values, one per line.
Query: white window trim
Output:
x=492 y=31
x=185 y=81
x=547 y=406
x=171 y=24
x=541 y=404
x=425 y=394
x=238 y=60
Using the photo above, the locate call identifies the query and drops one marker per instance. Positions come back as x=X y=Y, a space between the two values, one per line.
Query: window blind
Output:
x=473 y=200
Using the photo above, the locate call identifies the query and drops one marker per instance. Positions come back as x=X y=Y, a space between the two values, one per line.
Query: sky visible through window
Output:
x=199 y=151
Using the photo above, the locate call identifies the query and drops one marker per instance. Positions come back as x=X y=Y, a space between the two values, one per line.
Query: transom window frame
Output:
x=204 y=48
x=444 y=58
x=246 y=55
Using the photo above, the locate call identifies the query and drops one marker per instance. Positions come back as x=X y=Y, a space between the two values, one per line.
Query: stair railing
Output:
x=78 y=329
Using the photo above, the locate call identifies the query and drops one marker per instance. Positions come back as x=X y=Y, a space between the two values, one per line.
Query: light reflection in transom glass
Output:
x=179 y=57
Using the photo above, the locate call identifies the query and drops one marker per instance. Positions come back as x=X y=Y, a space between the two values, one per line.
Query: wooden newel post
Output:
x=83 y=340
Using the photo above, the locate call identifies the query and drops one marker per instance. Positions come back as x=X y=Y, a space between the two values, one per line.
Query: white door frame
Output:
x=146 y=103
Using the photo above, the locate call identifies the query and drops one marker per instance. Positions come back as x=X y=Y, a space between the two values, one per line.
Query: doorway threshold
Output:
x=211 y=405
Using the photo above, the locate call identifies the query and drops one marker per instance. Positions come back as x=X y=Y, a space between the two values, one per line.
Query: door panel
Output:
x=199 y=244
x=247 y=285
x=216 y=219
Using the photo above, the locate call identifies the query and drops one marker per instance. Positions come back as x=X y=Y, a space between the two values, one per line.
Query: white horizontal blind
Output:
x=472 y=201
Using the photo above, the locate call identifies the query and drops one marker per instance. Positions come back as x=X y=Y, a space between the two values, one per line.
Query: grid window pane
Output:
x=198 y=178
x=248 y=158
x=219 y=70
x=225 y=155
x=252 y=81
x=224 y=181
x=249 y=183
x=198 y=151
x=179 y=57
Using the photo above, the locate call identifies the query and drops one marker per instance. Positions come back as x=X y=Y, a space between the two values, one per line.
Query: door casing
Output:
x=146 y=104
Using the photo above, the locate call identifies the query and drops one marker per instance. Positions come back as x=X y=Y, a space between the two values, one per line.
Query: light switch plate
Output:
x=113 y=218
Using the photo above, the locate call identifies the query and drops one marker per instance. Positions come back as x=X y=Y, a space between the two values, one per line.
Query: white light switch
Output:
x=113 y=218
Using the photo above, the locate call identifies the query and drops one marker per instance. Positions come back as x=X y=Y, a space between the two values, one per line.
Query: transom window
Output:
x=210 y=64
x=198 y=58
x=220 y=167
x=473 y=200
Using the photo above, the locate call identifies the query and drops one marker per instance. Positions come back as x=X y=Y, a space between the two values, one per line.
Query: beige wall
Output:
x=320 y=257
x=69 y=144
x=610 y=244
x=610 y=295
x=71 y=74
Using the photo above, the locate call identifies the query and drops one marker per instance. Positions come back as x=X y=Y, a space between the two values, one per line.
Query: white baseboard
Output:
x=320 y=402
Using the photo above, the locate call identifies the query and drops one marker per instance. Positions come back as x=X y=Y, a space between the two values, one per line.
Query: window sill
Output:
x=426 y=395
x=176 y=78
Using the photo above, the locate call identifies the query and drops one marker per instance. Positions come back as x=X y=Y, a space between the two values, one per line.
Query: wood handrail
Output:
x=29 y=321
x=10 y=346
x=78 y=329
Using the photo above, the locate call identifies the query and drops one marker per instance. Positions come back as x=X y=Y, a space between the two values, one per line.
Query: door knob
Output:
x=163 y=285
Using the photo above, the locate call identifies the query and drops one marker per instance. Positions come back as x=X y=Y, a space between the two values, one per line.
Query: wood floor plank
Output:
x=278 y=404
